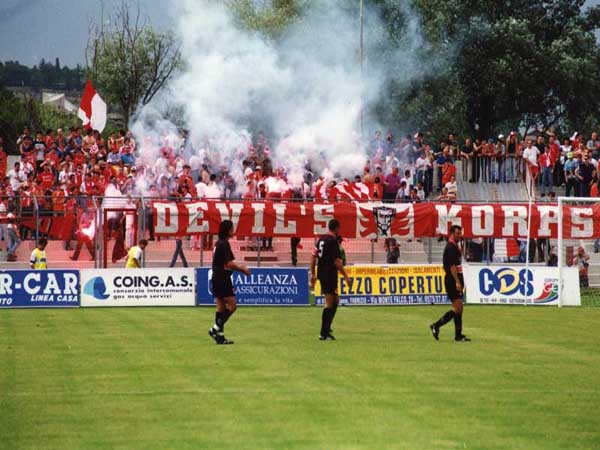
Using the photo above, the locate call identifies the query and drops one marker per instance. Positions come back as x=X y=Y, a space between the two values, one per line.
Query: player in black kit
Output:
x=327 y=253
x=222 y=267
x=454 y=283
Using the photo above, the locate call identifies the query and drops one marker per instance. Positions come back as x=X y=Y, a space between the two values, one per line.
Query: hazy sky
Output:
x=35 y=29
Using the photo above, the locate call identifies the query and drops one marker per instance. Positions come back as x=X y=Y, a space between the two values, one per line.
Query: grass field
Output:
x=151 y=379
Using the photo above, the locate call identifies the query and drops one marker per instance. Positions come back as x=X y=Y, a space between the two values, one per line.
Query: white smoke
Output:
x=306 y=88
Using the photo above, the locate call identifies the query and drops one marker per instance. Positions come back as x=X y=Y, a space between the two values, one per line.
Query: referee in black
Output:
x=329 y=256
x=454 y=283
x=223 y=265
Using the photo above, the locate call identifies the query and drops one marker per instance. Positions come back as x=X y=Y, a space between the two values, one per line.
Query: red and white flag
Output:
x=92 y=110
x=354 y=191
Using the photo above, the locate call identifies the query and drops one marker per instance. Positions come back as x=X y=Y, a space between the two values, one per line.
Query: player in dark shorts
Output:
x=223 y=266
x=454 y=284
x=328 y=254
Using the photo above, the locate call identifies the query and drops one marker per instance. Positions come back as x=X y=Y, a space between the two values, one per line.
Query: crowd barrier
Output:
x=368 y=285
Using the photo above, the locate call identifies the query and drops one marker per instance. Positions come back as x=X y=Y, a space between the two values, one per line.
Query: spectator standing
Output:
x=85 y=235
x=530 y=155
x=512 y=145
x=499 y=156
x=17 y=177
x=554 y=151
x=391 y=185
x=570 y=177
x=3 y=160
x=392 y=251
x=585 y=175
x=452 y=188
x=476 y=158
x=13 y=236
x=581 y=260
x=547 y=168
x=38 y=260
x=466 y=154
x=593 y=145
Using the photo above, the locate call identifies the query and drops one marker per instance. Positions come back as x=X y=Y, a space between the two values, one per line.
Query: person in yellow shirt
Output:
x=38 y=255
x=134 y=256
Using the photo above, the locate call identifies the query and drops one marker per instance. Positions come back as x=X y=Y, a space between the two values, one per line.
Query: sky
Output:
x=34 y=29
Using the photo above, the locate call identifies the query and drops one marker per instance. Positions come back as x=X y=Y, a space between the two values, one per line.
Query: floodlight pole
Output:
x=362 y=56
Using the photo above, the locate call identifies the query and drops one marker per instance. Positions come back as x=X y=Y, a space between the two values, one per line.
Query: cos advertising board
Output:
x=39 y=288
x=272 y=286
x=137 y=287
x=512 y=285
x=390 y=285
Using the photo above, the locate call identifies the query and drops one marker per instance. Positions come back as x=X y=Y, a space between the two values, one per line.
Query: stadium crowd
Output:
x=63 y=171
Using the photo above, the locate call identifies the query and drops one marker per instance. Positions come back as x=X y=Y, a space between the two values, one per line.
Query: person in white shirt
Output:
x=212 y=191
x=16 y=177
x=451 y=187
x=130 y=213
x=421 y=166
x=408 y=182
x=13 y=236
x=530 y=155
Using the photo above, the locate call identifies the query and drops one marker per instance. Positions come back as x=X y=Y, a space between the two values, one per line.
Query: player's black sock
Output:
x=445 y=319
x=326 y=321
x=457 y=325
x=333 y=311
x=226 y=315
x=219 y=323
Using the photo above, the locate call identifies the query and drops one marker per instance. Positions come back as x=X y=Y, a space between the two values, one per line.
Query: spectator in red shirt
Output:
x=79 y=158
x=49 y=139
x=60 y=139
x=3 y=160
x=448 y=171
x=185 y=178
x=46 y=178
x=88 y=187
x=51 y=156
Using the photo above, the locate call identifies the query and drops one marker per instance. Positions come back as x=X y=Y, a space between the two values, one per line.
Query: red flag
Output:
x=92 y=110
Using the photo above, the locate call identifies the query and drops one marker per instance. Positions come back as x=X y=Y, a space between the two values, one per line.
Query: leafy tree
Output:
x=270 y=17
x=19 y=111
x=44 y=75
x=525 y=63
x=130 y=62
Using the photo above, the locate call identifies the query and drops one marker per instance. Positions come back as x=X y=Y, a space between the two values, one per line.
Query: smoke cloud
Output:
x=306 y=89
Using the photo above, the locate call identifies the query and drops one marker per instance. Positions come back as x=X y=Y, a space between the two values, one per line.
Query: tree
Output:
x=270 y=18
x=521 y=63
x=130 y=62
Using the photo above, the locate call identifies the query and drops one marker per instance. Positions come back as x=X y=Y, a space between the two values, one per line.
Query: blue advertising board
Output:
x=39 y=288
x=269 y=287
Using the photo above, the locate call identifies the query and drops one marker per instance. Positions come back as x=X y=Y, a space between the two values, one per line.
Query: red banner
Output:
x=55 y=227
x=374 y=219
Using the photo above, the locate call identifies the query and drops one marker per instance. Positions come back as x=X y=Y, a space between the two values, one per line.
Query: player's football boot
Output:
x=435 y=331
x=222 y=340
x=462 y=338
x=213 y=334
x=329 y=337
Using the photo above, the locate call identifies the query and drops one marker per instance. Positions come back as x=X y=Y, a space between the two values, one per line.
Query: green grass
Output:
x=151 y=379
x=590 y=297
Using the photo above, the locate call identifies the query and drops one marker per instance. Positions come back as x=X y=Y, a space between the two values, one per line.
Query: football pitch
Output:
x=151 y=378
